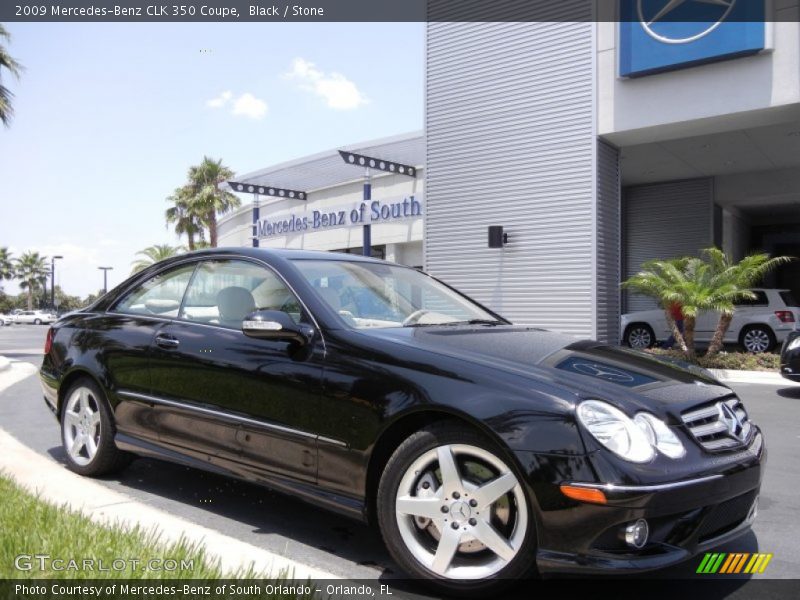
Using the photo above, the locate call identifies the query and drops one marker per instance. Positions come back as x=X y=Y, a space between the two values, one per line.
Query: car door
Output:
x=121 y=339
x=246 y=400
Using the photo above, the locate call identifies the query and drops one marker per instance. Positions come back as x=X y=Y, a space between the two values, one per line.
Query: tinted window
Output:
x=224 y=292
x=160 y=295
x=759 y=300
x=788 y=299
x=379 y=295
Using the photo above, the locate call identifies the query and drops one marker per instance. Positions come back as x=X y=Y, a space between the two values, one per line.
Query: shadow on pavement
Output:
x=790 y=392
x=266 y=513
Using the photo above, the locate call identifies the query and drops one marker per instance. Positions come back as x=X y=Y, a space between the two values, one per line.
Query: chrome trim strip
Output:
x=613 y=487
x=226 y=415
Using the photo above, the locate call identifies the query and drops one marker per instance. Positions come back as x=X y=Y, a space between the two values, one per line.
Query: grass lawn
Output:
x=31 y=526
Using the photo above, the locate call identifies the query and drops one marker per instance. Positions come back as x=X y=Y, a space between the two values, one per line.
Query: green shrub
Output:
x=729 y=360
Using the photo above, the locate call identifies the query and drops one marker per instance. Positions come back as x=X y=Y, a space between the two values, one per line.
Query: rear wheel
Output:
x=757 y=339
x=640 y=336
x=452 y=511
x=87 y=431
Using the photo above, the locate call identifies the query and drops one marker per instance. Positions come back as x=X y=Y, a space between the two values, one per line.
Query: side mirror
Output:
x=276 y=325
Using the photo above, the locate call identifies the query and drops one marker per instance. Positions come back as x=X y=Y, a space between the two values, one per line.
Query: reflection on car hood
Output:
x=585 y=366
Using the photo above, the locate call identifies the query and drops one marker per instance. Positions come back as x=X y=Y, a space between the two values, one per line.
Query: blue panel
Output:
x=662 y=35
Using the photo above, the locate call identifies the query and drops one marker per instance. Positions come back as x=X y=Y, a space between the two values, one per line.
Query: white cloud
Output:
x=339 y=92
x=249 y=106
x=220 y=100
x=246 y=105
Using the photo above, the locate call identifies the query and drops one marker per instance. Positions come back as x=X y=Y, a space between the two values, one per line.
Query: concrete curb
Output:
x=763 y=377
x=57 y=485
x=5 y=364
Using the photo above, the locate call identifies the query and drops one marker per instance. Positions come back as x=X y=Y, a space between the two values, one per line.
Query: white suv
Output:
x=757 y=325
x=37 y=317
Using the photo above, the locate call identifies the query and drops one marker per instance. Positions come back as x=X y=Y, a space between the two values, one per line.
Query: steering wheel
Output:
x=414 y=317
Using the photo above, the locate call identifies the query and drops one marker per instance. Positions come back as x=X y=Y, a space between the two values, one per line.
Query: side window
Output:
x=759 y=300
x=224 y=292
x=160 y=296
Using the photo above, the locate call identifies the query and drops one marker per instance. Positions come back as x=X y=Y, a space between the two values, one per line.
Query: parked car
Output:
x=37 y=317
x=758 y=325
x=482 y=450
x=790 y=357
x=6 y=320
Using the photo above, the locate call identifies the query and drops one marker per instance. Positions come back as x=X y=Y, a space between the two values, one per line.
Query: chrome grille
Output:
x=722 y=425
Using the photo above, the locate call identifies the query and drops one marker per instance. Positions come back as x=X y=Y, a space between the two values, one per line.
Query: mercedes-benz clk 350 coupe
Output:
x=484 y=451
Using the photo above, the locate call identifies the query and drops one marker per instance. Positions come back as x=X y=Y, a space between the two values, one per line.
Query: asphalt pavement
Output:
x=347 y=548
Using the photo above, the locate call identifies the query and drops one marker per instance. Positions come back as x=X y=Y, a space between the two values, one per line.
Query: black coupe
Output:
x=483 y=450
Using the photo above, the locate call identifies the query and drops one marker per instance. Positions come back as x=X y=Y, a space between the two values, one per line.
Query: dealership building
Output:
x=594 y=145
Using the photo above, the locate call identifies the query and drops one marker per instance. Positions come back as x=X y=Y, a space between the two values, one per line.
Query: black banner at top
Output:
x=396 y=10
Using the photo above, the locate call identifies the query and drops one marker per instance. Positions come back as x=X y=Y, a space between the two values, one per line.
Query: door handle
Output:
x=166 y=341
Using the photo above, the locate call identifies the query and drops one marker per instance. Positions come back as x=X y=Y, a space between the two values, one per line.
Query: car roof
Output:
x=266 y=253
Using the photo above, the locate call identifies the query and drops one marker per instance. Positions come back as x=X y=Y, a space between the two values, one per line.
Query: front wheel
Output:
x=452 y=511
x=757 y=339
x=640 y=336
x=87 y=431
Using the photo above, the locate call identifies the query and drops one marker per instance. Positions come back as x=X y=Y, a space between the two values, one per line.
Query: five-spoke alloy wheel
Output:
x=87 y=431
x=452 y=510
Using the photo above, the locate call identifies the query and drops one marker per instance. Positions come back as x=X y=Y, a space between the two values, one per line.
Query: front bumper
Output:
x=685 y=517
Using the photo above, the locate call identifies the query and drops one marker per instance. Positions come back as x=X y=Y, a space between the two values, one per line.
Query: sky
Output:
x=110 y=116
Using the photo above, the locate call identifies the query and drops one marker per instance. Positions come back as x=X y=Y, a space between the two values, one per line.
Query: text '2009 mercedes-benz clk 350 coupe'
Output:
x=484 y=451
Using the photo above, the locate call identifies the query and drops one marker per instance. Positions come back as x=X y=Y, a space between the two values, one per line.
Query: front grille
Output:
x=726 y=516
x=722 y=425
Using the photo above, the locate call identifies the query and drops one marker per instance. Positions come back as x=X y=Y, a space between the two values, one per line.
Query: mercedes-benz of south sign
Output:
x=482 y=450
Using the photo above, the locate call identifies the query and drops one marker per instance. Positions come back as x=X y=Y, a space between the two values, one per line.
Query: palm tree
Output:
x=208 y=199
x=31 y=269
x=184 y=215
x=153 y=254
x=6 y=265
x=732 y=282
x=660 y=279
x=12 y=66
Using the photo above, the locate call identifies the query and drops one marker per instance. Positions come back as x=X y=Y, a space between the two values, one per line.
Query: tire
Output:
x=757 y=339
x=37 y=321
x=96 y=422
x=639 y=336
x=413 y=473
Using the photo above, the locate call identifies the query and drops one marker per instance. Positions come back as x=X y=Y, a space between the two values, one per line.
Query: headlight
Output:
x=615 y=430
x=660 y=435
x=794 y=344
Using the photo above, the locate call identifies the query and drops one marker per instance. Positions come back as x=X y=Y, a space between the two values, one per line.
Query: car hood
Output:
x=587 y=368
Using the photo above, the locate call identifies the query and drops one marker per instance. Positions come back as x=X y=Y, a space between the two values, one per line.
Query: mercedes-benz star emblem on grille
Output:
x=731 y=421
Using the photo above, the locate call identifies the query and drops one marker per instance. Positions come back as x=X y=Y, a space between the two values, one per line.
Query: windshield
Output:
x=378 y=295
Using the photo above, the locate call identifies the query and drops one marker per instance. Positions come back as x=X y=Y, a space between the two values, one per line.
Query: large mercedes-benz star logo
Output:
x=650 y=22
x=731 y=420
x=603 y=372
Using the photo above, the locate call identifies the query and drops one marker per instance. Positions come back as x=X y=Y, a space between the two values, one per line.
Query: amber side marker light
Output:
x=584 y=494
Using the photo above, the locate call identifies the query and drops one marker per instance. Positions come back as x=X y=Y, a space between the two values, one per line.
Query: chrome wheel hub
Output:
x=81 y=426
x=461 y=512
x=756 y=340
x=639 y=338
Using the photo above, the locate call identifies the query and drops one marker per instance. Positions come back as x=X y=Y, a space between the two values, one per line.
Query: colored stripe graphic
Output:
x=725 y=563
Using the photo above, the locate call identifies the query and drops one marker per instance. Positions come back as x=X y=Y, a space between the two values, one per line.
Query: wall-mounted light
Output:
x=497 y=239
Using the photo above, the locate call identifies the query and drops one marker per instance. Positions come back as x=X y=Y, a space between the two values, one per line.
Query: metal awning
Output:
x=327 y=168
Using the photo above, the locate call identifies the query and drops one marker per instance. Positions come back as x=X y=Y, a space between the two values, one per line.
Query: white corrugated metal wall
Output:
x=609 y=243
x=511 y=141
x=665 y=220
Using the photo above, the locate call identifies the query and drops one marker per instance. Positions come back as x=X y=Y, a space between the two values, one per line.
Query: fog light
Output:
x=636 y=533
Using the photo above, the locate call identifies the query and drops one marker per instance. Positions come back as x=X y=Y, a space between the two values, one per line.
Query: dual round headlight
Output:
x=634 y=439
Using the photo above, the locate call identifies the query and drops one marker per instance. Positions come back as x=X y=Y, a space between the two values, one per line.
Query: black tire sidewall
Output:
x=649 y=329
x=108 y=457
x=522 y=565
x=766 y=329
